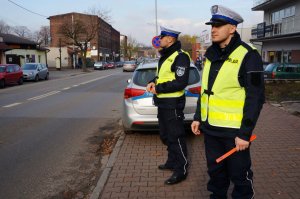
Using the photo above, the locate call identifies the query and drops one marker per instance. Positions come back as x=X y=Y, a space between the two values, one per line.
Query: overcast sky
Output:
x=130 y=17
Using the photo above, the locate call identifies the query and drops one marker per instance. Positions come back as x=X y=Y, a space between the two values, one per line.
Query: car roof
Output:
x=154 y=64
x=8 y=64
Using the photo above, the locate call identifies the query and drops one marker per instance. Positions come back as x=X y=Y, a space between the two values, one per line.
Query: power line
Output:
x=27 y=9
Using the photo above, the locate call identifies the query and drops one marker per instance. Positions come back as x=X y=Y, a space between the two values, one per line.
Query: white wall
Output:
x=29 y=52
x=54 y=54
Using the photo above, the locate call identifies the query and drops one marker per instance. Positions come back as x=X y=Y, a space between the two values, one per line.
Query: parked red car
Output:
x=111 y=65
x=10 y=74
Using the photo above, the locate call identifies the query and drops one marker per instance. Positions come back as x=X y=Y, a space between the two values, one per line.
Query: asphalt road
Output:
x=45 y=128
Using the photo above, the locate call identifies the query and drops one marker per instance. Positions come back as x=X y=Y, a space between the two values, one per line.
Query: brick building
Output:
x=104 y=46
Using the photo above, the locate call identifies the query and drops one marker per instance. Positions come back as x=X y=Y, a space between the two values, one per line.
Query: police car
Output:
x=139 y=113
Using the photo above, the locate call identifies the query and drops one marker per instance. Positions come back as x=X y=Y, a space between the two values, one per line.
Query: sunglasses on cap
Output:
x=162 y=36
x=218 y=24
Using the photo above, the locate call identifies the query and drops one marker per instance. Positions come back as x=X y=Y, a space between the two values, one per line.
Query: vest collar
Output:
x=215 y=53
x=166 y=52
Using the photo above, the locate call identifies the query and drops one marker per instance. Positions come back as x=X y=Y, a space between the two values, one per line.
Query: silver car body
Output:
x=99 y=65
x=129 y=66
x=35 y=71
x=139 y=112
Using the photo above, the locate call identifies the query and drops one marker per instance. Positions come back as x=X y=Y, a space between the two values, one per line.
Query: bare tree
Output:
x=132 y=46
x=80 y=33
x=187 y=41
x=104 y=14
x=4 y=28
x=22 y=31
x=42 y=36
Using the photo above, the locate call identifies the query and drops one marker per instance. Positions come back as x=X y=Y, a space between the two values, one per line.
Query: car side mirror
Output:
x=128 y=81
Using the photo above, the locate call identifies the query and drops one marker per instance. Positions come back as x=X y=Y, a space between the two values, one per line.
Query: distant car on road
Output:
x=99 y=65
x=139 y=113
x=282 y=71
x=10 y=74
x=35 y=71
x=111 y=65
x=119 y=64
x=129 y=66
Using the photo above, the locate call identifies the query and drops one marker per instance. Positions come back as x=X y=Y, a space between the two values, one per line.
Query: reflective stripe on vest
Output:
x=224 y=106
x=165 y=74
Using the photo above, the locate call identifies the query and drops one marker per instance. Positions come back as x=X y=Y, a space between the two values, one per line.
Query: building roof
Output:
x=13 y=39
x=261 y=5
x=4 y=47
x=70 y=13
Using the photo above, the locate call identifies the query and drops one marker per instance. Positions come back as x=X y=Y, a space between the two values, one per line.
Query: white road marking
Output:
x=55 y=92
x=44 y=95
x=11 y=105
x=96 y=79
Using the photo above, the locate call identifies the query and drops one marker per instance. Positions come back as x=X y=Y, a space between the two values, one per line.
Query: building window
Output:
x=284 y=13
x=277 y=29
x=287 y=56
x=278 y=56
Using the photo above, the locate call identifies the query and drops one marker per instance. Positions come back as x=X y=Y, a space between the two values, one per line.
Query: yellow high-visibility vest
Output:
x=223 y=107
x=165 y=74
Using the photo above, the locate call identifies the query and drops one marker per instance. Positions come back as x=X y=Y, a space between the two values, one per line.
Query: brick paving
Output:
x=275 y=158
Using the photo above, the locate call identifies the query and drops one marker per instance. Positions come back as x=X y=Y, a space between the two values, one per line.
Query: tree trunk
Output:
x=84 y=69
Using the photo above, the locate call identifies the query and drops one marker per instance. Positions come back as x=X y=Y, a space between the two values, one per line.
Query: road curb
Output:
x=110 y=163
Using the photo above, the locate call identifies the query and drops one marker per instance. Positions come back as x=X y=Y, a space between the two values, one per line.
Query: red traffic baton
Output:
x=253 y=137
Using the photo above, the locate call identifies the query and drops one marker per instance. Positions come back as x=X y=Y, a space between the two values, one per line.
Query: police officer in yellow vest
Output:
x=168 y=89
x=232 y=95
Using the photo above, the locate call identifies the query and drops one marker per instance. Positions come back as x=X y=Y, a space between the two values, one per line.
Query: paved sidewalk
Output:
x=275 y=158
x=57 y=74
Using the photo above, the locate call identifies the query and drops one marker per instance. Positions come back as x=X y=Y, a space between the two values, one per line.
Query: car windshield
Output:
x=143 y=76
x=270 y=68
x=2 y=69
x=129 y=62
x=194 y=76
x=29 y=67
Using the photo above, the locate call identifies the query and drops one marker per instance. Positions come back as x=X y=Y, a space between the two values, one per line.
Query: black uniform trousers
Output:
x=173 y=135
x=235 y=168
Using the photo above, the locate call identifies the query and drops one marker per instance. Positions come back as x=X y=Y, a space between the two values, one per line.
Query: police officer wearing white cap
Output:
x=232 y=96
x=168 y=89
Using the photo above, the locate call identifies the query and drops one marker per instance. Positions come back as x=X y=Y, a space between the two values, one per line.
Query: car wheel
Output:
x=47 y=76
x=36 y=79
x=2 y=83
x=20 y=82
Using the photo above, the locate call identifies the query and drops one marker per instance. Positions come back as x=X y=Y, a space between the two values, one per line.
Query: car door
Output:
x=280 y=72
x=41 y=71
x=289 y=71
x=9 y=77
x=297 y=75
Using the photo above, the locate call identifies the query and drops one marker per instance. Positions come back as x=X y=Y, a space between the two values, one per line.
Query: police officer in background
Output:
x=168 y=89
x=232 y=96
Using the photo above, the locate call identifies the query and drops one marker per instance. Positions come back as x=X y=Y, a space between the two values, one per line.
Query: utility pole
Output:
x=73 y=57
x=156 y=17
x=59 y=53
